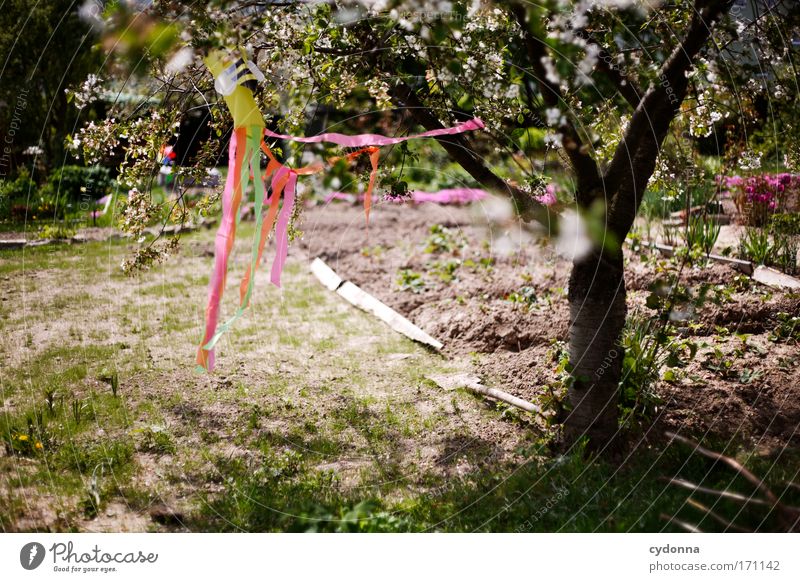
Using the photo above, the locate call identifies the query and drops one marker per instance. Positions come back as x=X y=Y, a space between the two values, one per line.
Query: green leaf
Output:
x=653 y=301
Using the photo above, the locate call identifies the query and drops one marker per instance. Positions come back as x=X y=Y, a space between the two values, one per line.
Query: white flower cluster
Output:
x=139 y=212
x=750 y=160
x=703 y=117
x=180 y=60
x=379 y=90
x=95 y=140
x=33 y=151
x=88 y=92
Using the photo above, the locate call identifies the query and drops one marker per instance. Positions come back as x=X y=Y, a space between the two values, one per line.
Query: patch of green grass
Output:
x=60 y=366
x=114 y=455
x=155 y=439
x=85 y=257
x=572 y=494
x=282 y=491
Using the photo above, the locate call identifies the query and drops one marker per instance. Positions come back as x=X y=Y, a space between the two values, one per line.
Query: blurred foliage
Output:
x=46 y=49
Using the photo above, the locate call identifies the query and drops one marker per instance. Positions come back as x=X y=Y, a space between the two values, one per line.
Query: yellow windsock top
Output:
x=241 y=102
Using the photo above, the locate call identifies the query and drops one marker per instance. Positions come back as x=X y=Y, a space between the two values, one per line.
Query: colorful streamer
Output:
x=233 y=74
x=446 y=196
x=371 y=139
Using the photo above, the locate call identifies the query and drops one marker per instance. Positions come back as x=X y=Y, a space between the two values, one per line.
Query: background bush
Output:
x=68 y=182
x=61 y=194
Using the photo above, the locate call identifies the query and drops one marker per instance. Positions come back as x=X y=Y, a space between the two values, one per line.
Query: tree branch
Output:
x=625 y=86
x=586 y=169
x=458 y=149
x=635 y=157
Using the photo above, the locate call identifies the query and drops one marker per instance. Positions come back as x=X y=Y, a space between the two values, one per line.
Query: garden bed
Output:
x=495 y=296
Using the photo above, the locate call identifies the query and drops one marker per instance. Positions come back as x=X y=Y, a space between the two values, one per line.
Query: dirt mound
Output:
x=489 y=327
x=504 y=305
x=641 y=275
x=746 y=313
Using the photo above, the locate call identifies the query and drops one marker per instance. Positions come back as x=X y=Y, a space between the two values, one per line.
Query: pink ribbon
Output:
x=449 y=196
x=371 y=139
x=226 y=230
x=282 y=227
x=240 y=159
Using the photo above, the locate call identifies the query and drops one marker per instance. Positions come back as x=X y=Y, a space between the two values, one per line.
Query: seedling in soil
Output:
x=442 y=240
x=749 y=375
x=410 y=281
x=716 y=361
x=112 y=379
x=77 y=411
x=525 y=296
x=787 y=328
x=50 y=400
x=446 y=270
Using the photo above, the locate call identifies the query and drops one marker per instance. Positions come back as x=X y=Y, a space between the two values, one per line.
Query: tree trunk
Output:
x=597 y=316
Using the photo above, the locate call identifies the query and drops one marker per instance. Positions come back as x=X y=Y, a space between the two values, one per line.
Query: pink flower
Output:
x=549 y=196
x=733 y=181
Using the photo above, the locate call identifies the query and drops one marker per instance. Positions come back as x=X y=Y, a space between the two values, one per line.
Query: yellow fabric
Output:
x=241 y=102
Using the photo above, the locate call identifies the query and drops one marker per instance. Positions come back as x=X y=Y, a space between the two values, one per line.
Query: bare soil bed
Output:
x=474 y=307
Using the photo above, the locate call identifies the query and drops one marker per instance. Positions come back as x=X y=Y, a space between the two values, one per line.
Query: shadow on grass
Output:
x=570 y=494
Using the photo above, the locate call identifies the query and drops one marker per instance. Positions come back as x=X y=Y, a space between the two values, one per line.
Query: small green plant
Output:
x=785 y=230
x=77 y=410
x=442 y=240
x=23 y=444
x=786 y=328
x=716 y=361
x=554 y=401
x=156 y=439
x=50 y=400
x=483 y=263
x=56 y=231
x=648 y=348
x=701 y=232
x=526 y=296
x=640 y=372
x=755 y=246
x=749 y=375
x=410 y=281
x=112 y=379
x=254 y=419
x=781 y=250
x=445 y=270
x=91 y=503
x=375 y=252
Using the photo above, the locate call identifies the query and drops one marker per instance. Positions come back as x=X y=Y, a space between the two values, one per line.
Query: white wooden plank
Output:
x=473 y=384
x=363 y=300
x=775 y=279
x=325 y=274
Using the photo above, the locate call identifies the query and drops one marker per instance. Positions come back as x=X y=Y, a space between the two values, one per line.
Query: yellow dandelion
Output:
x=22 y=437
x=39 y=446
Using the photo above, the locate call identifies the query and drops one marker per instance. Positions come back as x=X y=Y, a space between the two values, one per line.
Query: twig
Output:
x=724 y=493
x=685 y=525
x=718 y=518
x=732 y=463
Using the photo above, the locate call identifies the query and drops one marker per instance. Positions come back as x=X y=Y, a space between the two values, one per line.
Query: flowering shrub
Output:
x=758 y=197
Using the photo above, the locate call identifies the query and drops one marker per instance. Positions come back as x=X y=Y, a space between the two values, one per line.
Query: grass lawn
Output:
x=317 y=418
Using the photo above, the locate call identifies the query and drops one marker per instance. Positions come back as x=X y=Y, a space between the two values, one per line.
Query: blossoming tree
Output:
x=607 y=79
